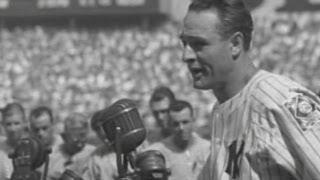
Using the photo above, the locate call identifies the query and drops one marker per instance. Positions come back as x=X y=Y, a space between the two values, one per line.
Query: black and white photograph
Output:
x=159 y=89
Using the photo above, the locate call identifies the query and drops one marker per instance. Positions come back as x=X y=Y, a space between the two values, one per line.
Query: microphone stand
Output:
x=46 y=165
x=122 y=159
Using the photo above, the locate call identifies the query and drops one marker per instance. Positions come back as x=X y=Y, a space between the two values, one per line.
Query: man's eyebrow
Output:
x=192 y=38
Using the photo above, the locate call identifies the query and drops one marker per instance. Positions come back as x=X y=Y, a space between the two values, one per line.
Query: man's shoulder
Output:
x=156 y=145
x=3 y=142
x=103 y=158
x=4 y=146
x=272 y=89
x=103 y=151
x=161 y=145
x=201 y=142
x=89 y=147
x=86 y=152
x=57 y=142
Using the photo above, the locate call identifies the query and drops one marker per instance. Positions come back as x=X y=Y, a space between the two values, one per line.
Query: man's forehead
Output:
x=42 y=119
x=197 y=23
x=76 y=126
x=181 y=115
x=76 y=130
x=14 y=118
x=163 y=103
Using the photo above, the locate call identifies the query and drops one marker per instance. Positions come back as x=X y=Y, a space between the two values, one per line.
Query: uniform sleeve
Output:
x=298 y=119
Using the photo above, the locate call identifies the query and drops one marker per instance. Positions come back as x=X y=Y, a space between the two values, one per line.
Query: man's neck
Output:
x=235 y=82
x=69 y=150
x=183 y=145
x=165 y=133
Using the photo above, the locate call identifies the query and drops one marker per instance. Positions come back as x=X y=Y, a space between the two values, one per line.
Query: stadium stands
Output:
x=83 y=69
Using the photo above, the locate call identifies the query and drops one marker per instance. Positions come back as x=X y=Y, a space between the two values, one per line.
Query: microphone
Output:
x=124 y=129
x=28 y=155
x=152 y=165
x=123 y=118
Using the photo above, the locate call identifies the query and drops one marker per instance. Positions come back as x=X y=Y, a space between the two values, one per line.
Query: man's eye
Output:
x=164 y=111
x=175 y=124
x=197 y=45
x=185 y=122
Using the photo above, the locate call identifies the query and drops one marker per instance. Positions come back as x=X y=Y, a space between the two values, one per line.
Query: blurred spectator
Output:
x=84 y=69
x=80 y=70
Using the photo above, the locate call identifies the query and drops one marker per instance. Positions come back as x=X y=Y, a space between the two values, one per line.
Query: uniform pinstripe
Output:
x=256 y=136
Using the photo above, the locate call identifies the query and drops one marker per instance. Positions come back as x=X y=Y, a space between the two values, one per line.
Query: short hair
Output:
x=160 y=93
x=179 y=105
x=39 y=111
x=233 y=15
x=75 y=120
x=12 y=108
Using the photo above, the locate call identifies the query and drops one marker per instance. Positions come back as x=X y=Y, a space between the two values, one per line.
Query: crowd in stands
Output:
x=85 y=69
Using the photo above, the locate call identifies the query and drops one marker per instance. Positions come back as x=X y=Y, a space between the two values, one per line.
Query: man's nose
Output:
x=12 y=128
x=162 y=115
x=181 y=127
x=188 y=55
x=41 y=133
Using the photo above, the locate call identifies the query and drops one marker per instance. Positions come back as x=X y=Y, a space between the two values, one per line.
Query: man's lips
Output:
x=197 y=72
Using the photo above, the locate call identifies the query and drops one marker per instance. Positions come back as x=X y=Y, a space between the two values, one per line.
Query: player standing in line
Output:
x=265 y=126
x=184 y=150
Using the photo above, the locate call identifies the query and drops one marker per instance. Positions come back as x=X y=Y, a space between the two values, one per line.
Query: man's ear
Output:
x=236 y=45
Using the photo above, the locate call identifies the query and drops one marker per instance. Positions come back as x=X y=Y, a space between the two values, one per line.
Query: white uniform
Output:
x=268 y=131
x=5 y=173
x=57 y=142
x=6 y=162
x=61 y=161
x=184 y=164
x=102 y=165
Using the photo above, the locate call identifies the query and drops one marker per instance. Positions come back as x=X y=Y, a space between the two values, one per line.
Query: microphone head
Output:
x=123 y=114
x=29 y=151
x=151 y=160
x=152 y=165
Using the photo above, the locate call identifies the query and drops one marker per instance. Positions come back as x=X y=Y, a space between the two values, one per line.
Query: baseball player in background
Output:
x=265 y=126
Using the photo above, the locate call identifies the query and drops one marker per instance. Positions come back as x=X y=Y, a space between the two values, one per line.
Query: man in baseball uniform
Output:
x=265 y=126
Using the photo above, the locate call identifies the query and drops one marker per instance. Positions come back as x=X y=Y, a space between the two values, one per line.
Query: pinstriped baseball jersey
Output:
x=270 y=130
